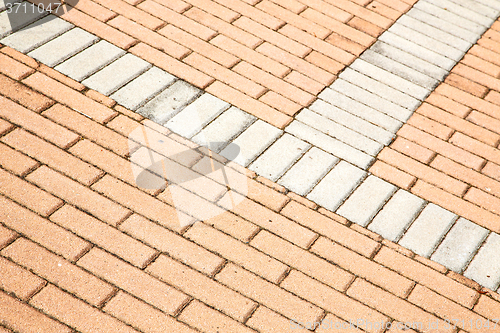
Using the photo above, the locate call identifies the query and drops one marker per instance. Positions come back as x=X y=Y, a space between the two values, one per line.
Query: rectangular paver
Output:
x=426 y=232
x=9 y=23
x=253 y=141
x=396 y=215
x=90 y=60
x=485 y=267
x=137 y=92
x=279 y=157
x=336 y=185
x=459 y=245
x=366 y=200
x=462 y=10
x=308 y=171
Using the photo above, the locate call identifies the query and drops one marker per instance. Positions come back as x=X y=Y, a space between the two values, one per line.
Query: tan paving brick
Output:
x=365 y=26
x=331 y=300
x=132 y=12
x=324 y=62
x=233 y=225
x=248 y=104
x=493 y=96
x=215 y=9
x=150 y=37
x=69 y=97
x=206 y=319
x=446 y=309
x=426 y=276
x=483 y=199
x=292 y=5
x=303 y=201
x=52 y=156
x=14 y=69
x=252 y=12
x=98 y=28
x=395 y=4
x=423 y=171
x=143 y=316
x=172 y=244
x=362 y=267
x=280 y=103
x=100 y=98
x=302 y=81
x=133 y=280
x=481 y=78
x=202 y=288
x=430 y=126
x=78 y=195
x=5 y=127
x=329 y=10
x=345 y=44
x=177 y=5
x=487 y=307
x=28 y=195
x=463 y=141
x=384 y=10
x=18 y=56
x=242 y=254
x=58 y=271
x=6 y=236
x=93 y=9
x=492 y=170
x=413 y=150
x=448 y=105
x=41 y=230
x=481 y=65
x=483 y=120
x=61 y=77
x=21 y=317
x=268 y=294
x=21 y=94
x=399 y=309
x=392 y=175
x=330 y=228
x=55 y=302
x=267 y=321
x=18 y=281
x=302 y=260
x=103 y=235
x=16 y=162
x=462 y=83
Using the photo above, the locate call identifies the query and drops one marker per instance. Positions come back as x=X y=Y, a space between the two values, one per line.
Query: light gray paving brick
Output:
x=435 y=33
x=377 y=87
x=409 y=60
x=117 y=74
x=336 y=185
x=417 y=50
x=426 y=41
x=477 y=7
x=491 y=3
x=464 y=8
x=308 y=171
x=140 y=90
x=448 y=16
x=366 y=200
x=169 y=102
x=329 y=144
x=63 y=47
x=459 y=245
x=196 y=115
x=13 y=22
x=339 y=132
x=485 y=266
x=36 y=33
x=360 y=110
x=443 y=25
x=392 y=221
x=89 y=60
x=375 y=101
x=253 y=141
x=224 y=128
x=279 y=157
x=428 y=229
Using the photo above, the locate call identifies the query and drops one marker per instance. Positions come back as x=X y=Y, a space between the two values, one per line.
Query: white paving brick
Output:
x=63 y=47
x=443 y=25
x=253 y=141
x=336 y=185
x=14 y=22
x=426 y=232
x=90 y=60
x=36 y=33
x=435 y=33
x=375 y=101
x=196 y=115
x=224 y=128
x=462 y=10
x=360 y=110
x=329 y=144
x=117 y=74
x=397 y=214
x=279 y=157
x=417 y=50
x=169 y=102
x=485 y=266
x=140 y=90
x=308 y=171
x=459 y=245
x=448 y=16
x=377 y=87
x=475 y=6
x=490 y=3
x=339 y=132
x=409 y=60
x=366 y=200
